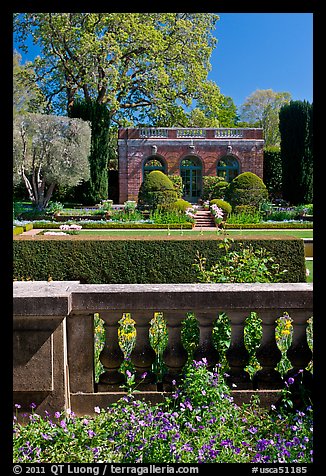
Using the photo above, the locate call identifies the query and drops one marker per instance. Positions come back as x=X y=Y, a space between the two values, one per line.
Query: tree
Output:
x=27 y=96
x=273 y=171
x=261 y=109
x=296 y=125
x=98 y=115
x=138 y=64
x=49 y=150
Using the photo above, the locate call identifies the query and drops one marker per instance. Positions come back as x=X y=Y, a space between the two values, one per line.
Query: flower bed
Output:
x=199 y=423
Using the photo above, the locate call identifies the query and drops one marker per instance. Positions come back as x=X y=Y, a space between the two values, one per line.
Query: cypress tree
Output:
x=99 y=117
x=296 y=152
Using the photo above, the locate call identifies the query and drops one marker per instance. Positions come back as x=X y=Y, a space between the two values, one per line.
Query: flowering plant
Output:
x=72 y=227
x=218 y=214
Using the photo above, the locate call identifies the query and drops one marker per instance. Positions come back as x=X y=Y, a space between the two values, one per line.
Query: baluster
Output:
x=268 y=354
x=237 y=354
x=111 y=355
x=299 y=352
x=205 y=347
x=175 y=355
x=143 y=356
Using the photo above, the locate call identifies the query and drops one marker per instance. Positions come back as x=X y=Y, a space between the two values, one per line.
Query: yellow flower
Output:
x=285 y=332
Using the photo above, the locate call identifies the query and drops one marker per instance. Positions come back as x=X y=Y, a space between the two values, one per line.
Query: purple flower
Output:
x=33 y=405
x=57 y=414
x=143 y=375
x=91 y=433
x=290 y=381
x=252 y=430
x=46 y=436
x=17 y=405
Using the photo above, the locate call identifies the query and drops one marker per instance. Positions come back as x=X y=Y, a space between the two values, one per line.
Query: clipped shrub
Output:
x=225 y=206
x=181 y=205
x=157 y=190
x=17 y=230
x=143 y=260
x=177 y=182
x=248 y=209
x=213 y=187
x=246 y=189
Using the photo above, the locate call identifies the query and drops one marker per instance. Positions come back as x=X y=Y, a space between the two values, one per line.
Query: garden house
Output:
x=189 y=152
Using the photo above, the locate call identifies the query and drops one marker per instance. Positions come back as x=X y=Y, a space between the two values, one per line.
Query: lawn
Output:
x=305 y=233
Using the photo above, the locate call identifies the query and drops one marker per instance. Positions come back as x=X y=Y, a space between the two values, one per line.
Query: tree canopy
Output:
x=141 y=65
x=261 y=109
x=49 y=150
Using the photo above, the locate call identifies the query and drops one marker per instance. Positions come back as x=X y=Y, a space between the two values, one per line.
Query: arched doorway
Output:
x=153 y=163
x=228 y=168
x=191 y=174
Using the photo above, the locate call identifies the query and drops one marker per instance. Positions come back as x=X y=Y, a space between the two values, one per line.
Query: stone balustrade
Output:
x=54 y=337
x=191 y=133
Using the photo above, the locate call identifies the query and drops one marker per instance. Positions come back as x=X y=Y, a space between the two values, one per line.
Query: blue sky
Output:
x=264 y=51
x=261 y=51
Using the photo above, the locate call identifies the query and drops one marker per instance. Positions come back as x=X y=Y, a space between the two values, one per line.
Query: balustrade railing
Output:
x=205 y=301
x=194 y=132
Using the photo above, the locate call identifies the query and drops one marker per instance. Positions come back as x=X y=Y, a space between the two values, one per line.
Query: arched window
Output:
x=153 y=163
x=228 y=168
x=191 y=174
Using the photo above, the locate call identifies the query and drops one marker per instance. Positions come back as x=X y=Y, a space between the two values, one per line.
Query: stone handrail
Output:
x=55 y=362
x=198 y=133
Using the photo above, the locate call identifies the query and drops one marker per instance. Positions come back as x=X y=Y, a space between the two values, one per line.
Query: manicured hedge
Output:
x=137 y=259
x=118 y=225
x=270 y=225
x=17 y=230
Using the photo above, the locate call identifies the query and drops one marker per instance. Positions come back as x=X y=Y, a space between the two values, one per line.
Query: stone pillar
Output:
x=111 y=355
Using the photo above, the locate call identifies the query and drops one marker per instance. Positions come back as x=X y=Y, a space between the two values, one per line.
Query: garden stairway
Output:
x=204 y=219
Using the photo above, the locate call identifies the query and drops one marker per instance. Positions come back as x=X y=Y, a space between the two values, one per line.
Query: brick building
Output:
x=189 y=152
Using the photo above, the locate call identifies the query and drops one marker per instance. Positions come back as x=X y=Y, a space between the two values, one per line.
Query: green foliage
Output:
x=49 y=150
x=142 y=66
x=199 y=423
x=243 y=265
x=99 y=117
x=157 y=190
x=213 y=187
x=17 y=230
x=296 y=128
x=246 y=189
x=261 y=109
x=273 y=171
x=181 y=205
x=225 y=206
x=161 y=217
x=177 y=182
x=244 y=214
x=145 y=260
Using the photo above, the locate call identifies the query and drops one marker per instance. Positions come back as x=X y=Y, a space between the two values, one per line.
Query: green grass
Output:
x=310 y=267
x=307 y=233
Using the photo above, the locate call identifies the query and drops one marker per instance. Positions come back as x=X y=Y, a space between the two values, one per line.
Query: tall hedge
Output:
x=296 y=126
x=131 y=260
x=273 y=172
x=96 y=189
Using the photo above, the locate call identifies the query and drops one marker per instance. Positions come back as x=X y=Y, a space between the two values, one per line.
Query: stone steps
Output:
x=204 y=219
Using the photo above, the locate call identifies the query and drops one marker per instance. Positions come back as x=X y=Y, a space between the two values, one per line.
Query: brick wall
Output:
x=133 y=152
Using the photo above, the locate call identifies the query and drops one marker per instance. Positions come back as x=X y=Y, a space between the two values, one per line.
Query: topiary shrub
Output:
x=225 y=206
x=181 y=205
x=177 y=182
x=246 y=189
x=213 y=187
x=157 y=191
